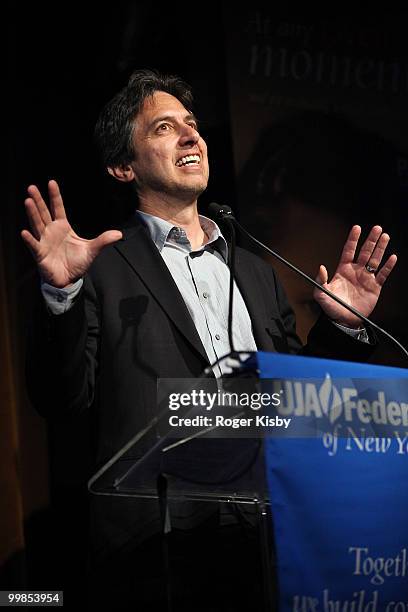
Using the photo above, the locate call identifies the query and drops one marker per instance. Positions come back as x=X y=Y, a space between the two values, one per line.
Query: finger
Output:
x=97 y=244
x=386 y=270
x=30 y=241
x=56 y=203
x=379 y=251
x=322 y=276
x=368 y=247
x=41 y=206
x=349 y=249
x=34 y=218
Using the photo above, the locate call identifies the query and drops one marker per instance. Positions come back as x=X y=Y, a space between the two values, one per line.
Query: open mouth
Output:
x=188 y=160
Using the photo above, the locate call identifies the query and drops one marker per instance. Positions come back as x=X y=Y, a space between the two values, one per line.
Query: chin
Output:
x=193 y=189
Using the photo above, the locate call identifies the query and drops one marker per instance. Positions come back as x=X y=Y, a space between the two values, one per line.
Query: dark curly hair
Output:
x=114 y=128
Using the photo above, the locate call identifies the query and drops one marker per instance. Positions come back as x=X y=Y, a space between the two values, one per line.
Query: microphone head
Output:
x=219 y=211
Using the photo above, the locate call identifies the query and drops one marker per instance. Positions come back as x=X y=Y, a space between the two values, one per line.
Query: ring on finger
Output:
x=370 y=269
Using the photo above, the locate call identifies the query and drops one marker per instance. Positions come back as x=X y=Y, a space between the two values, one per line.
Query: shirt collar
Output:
x=160 y=230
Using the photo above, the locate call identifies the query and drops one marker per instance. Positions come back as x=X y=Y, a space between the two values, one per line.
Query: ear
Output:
x=122 y=173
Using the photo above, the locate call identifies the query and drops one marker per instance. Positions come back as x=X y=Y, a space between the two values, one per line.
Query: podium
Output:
x=328 y=489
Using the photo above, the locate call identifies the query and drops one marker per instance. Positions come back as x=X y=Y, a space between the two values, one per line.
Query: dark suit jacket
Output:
x=130 y=326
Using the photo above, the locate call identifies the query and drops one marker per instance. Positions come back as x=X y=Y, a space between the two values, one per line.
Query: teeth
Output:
x=188 y=159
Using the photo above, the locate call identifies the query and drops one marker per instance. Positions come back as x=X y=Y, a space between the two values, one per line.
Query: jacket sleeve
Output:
x=62 y=356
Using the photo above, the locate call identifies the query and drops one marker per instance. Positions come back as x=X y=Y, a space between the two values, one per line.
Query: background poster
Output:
x=320 y=140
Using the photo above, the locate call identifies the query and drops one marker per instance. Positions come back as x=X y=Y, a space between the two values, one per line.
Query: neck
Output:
x=181 y=214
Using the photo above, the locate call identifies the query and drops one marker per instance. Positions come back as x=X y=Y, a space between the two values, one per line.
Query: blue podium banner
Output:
x=339 y=501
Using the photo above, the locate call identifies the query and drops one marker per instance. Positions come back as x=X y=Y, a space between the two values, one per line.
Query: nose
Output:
x=189 y=135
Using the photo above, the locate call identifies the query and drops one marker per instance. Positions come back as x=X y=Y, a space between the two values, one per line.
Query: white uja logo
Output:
x=308 y=399
x=330 y=400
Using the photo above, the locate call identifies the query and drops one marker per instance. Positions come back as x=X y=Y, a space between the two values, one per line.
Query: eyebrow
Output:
x=189 y=117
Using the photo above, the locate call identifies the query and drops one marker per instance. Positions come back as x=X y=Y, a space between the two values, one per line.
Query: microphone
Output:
x=224 y=213
x=220 y=212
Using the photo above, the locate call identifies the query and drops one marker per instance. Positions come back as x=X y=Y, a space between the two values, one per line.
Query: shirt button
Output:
x=60 y=298
x=217 y=336
x=206 y=295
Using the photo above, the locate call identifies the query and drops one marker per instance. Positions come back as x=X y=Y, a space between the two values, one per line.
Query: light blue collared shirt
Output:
x=202 y=277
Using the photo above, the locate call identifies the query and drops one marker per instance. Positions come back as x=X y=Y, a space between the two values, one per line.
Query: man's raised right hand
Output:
x=62 y=256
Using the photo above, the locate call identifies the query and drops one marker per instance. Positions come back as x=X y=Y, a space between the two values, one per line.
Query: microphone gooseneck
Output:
x=225 y=213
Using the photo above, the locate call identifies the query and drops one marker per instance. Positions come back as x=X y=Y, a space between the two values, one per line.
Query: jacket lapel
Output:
x=142 y=255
